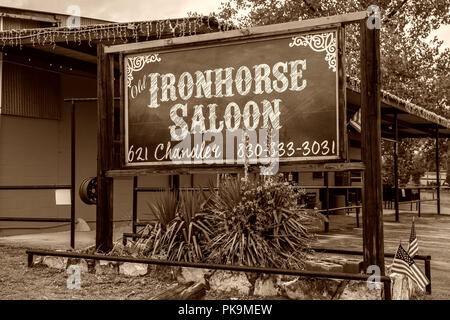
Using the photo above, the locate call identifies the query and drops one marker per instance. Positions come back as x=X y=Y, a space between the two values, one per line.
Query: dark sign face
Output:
x=272 y=97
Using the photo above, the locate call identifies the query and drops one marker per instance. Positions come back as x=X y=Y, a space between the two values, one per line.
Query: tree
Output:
x=412 y=68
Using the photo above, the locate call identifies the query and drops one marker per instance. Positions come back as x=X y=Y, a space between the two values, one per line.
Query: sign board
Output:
x=225 y=102
x=63 y=197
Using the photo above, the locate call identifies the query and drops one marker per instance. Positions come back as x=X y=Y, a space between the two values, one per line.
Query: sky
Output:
x=120 y=10
x=139 y=10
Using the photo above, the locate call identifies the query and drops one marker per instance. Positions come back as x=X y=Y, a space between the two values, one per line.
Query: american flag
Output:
x=413 y=246
x=404 y=264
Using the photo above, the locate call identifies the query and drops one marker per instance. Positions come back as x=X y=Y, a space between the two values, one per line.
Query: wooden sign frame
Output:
x=231 y=38
x=109 y=141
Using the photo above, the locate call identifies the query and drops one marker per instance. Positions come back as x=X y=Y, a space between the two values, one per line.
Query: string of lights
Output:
x=115 y=32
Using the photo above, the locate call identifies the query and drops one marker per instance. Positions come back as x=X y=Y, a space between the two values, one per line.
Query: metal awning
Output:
x=413 y=121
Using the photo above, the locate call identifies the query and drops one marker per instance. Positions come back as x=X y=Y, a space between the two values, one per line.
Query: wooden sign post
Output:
x=105 y=111
x=373 y=238
x=287 y=76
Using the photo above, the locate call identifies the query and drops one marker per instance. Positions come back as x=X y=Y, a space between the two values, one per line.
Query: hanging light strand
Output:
x=123 y=31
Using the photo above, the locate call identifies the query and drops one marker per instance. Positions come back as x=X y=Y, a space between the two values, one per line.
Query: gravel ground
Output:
x=18 y=282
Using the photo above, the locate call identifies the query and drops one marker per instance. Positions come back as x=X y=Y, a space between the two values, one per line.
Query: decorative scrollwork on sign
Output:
x=137 y=63
x=319 y=42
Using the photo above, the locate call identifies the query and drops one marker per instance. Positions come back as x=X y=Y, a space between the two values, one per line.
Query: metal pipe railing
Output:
x=35 y=187
x=315 y=274
x=18 y=219
x=70 y=220
x=425 y=258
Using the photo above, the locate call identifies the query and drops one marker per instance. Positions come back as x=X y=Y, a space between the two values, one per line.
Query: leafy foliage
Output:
x=414 y=66
x=259 y=223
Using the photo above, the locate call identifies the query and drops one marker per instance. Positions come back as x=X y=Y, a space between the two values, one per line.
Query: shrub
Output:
x=164 y=208
x=255 y=223
x=183 y=238
x=259 y=223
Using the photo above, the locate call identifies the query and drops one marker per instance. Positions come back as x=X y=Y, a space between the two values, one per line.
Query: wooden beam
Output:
x=72 y=174
x=29 y=17
x=69 y=53
x=287 y=27
x=326 y=201
x=396 y=194
x=312 y=167
x=35 y=58
x=438 y=178
x=104 y=230
x=414 y=135
x=407 y=125
x=373 y=238
x=342 y=85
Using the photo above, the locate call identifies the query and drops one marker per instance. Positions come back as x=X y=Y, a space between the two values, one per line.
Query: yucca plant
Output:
x=258 y=223
x=185 y=236
x=164 y=208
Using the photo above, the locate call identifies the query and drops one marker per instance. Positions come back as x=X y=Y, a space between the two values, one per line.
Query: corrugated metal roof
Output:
x=404 y=106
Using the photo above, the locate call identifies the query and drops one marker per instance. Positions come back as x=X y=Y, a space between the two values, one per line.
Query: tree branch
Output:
x=394 y=11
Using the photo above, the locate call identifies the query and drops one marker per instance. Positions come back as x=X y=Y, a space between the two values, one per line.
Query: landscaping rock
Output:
x=400 y=288
x=404 y=288
x=415 y=292
x=37 y=260
x=103 y=267
x=227 y=281
x=133 y=269
x=82 y=226
x=358 y=290
x=186 y=275
x=55 y=262
x=80 y=263
x=348 y=265
x=163 y=272
x=184 y=291
x=267 y=286
x=305 y=288
x=325 y=266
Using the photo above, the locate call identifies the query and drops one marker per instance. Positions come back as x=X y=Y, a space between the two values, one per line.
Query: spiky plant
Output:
x=258 y=223
x=185 y=236
x=164 y=208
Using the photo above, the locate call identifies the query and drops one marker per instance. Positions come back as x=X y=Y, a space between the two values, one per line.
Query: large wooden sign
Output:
x=223 y=102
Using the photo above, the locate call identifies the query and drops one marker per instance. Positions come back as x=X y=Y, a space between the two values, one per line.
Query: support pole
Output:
x=135 y=195
x=72 y=177
x=326 y=201
x=396 y=194
x=105 y=109
x=419 y=204
x=373 y=238
x=428 y=273
x=176 y=185
x=438 y=182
